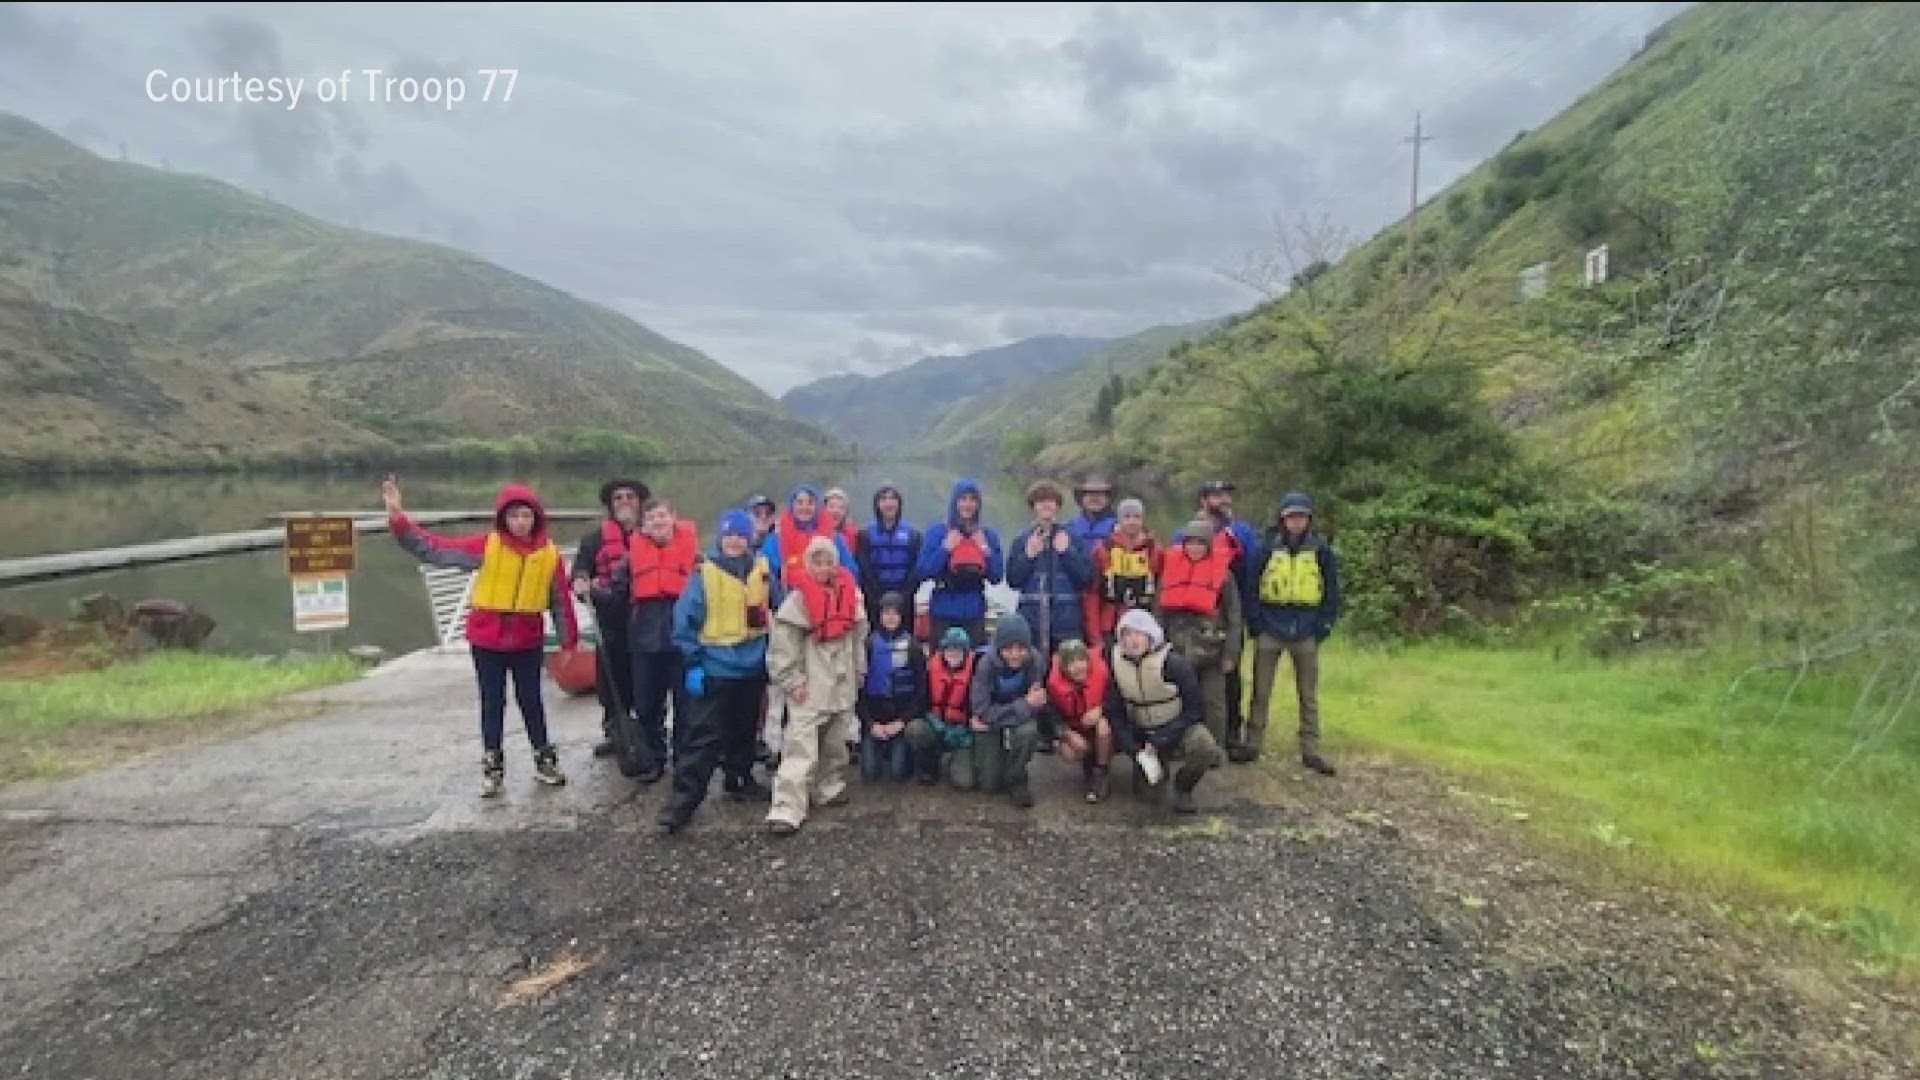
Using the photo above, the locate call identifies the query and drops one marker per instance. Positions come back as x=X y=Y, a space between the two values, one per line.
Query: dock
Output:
x=33 y=568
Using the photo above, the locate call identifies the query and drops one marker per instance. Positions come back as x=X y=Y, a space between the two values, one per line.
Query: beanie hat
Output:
x=1071 y=649
x=821 y=543
x=1144 y=622
x=736 y=523
x=1197 y=529
x=1012 y=629
x=897 y=602
x=1296 y=501
x=955 y=638
x=1132 y=506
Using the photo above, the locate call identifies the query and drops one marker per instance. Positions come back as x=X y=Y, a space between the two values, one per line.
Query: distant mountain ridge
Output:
x=336 y=340
x=892 y=411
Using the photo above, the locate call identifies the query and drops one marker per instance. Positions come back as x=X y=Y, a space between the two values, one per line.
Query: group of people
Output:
x=792 y=640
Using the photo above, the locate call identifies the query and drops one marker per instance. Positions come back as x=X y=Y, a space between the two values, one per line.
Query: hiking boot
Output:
x=493 y=773
x=1096 y=785
x=1022 y=794
x=782 y=828
x=1314 y=761
x=747 y=789
x=1242 y=754
x=546 y=767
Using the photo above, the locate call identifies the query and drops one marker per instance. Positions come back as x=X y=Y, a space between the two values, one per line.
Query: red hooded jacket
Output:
x=499 y=631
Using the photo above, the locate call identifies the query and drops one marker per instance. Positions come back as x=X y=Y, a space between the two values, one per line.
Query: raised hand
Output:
x=390 y=494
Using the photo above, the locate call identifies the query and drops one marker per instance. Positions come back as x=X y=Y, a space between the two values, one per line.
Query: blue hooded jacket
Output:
x=771 y=547
x=888 y=555
x=742 y=661
x=948 y=605
x=1051 y=581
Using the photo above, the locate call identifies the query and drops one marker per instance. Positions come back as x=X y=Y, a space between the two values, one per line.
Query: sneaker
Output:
x=1317 y=763
x=493 y=773
x=782 y=828
x=1022 y=794
x=1183 y=802
x=749 y=790
x=1243 y=754
x=546 y=767
x=841 y=799
x=1096 y=785
x=604 y=748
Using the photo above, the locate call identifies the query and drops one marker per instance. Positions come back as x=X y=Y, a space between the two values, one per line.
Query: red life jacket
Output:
x=661 y=573
x=793 y=545
x=967 y=565
x=947 y=691
x=1074 y=700
x=1186 y=585
x=834 y=608
x=613 y=545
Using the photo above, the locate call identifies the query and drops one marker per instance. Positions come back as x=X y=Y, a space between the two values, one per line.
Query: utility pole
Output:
x=1413 y=194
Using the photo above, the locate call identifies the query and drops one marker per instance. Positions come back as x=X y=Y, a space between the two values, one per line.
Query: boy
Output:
x=661 y=558
x=1076 y=701
x=945 y=731
x=818 y=659
x=1199 y=604
x=1009 y=690
x=518 y=581
x=894 y=693
x=720 y=625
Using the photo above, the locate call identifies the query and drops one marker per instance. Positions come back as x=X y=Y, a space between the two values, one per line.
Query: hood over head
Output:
x=519 y=493
x=899 y=604
x=1144 y=622
x=965 y=486
x=808 y=489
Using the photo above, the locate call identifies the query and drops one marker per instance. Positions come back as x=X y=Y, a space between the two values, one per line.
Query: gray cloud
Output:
x=804 y=191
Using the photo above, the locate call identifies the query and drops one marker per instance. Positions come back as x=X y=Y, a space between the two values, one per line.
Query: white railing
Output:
x=449 y=589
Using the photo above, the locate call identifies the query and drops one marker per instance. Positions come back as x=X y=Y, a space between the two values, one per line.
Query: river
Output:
x=248 y=594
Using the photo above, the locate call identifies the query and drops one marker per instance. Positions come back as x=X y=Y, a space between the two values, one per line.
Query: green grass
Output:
x=61 y=724
x=1800 y=804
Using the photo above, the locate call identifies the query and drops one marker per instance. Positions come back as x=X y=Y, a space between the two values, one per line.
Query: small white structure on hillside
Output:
x=1597 y=266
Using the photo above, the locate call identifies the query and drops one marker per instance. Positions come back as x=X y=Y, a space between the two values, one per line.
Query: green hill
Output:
x=893 y=410
x=395 y=343
x=1053 y=404
x=1739 y=393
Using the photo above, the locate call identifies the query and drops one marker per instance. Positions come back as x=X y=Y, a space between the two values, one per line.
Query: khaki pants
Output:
x=1306 y=682
x=813 y=761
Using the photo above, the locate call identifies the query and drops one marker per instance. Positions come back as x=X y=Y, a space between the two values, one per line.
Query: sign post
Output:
x=320 y=556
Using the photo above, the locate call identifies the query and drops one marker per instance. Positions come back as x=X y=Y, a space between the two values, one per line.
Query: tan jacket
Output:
x=831 y=671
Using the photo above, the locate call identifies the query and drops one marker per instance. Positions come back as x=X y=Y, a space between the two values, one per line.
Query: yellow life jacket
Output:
x=1152 y=699
x=510 y=581
x=1291 y=580
x=728 y=601
x=1129 y=574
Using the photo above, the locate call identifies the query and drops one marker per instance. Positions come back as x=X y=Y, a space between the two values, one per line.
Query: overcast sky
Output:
x=804 y=190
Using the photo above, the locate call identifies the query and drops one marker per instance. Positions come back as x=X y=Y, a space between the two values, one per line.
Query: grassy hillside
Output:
x=1056 y=404
x=1741 y=387
x=893 y=410
x=401 y=341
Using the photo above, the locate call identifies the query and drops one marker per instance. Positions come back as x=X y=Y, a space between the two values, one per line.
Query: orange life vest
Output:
x=967 y=565
x=832 y=608
x=1186 y=585
x=947 y=691
x=661 y=572
x=1074 y=700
